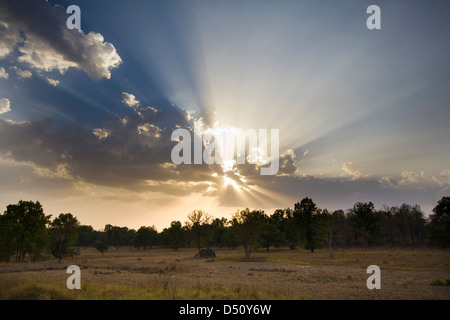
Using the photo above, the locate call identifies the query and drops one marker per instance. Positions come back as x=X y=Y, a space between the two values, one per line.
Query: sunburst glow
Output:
x=356 y=118
x=230 y=182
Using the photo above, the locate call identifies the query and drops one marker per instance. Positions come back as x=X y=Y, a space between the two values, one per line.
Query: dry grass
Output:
x=20 y=288
x=277 y=274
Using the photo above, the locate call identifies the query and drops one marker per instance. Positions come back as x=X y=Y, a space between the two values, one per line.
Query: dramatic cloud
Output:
x=131 y=152
x=40 y=56
x=24 y=74
x=3 y=73
x=134 y=155
x=9 y=36
x=49 y=44
x=4 y=105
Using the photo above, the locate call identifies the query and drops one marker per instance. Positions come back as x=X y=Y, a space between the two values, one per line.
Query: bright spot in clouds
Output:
x=4 y=105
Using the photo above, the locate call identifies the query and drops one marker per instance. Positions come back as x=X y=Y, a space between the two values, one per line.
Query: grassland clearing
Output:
x=276 y=274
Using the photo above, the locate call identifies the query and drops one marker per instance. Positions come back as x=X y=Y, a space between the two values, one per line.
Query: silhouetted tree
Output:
x=86 y=236
x=439 y=224
x=101 y=246
x=280 y=218
x=409 y=223
x=146 y=237
x=229 y=238
x=270 y=235
x=292 y=232
x=218 y=231
x=63 y=233
x=305 y=214
x=246 y=226
x=199 y=228
x=417 y=224
x=174 y=236
x=388 y=229
x=120 y=236
x=365 y=222
x=7 y=237
x=327 y=226
x=25 y=223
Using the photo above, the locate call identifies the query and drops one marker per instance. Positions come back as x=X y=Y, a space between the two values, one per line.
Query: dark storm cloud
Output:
x=131 y=152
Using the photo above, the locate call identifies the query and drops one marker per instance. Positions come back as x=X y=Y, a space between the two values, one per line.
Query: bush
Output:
x=438 y=282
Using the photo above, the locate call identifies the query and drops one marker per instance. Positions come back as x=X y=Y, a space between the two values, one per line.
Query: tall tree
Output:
x=174 y=236
x=365 y=222
x=292 y=229
x=409 y=222
x=246 y=225
x=199 y=227
x=305 y=214
x=439 y=225
x=146 y=237
x=63 y=235
x=120 y=236
x=388 y=228
x=101 y=243
x=218 y=231
x=26 y=223
x=86 y=236
x=270 y=235
x=328 y=226
x=417 y=222
x=7 y=237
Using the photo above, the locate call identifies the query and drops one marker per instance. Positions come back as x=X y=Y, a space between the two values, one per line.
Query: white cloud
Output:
x=40 y=56
x=409 y=177
x=50 y=45
x=53 y=82
x=101 y=133
x=130 y=100
x=351 y=169
x=24 y=74
x=9 y=36
x=3 y=73
x=90 y=53
x=443 y=178
x=387 y=181
x=288 y=165
x=446 y=176
x=305 y=153
x=4 y=105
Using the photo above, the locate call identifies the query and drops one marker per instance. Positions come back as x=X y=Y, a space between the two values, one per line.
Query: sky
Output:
x=86 y=116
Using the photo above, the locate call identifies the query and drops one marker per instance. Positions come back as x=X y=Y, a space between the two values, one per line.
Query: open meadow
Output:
x=406 y=273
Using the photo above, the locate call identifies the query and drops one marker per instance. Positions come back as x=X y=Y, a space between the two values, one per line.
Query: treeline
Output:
x=26 y=231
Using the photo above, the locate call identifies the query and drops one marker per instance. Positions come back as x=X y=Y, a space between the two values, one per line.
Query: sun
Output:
x=231 y=182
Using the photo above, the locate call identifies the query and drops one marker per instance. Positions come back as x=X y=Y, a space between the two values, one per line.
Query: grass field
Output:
x=277 y=274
